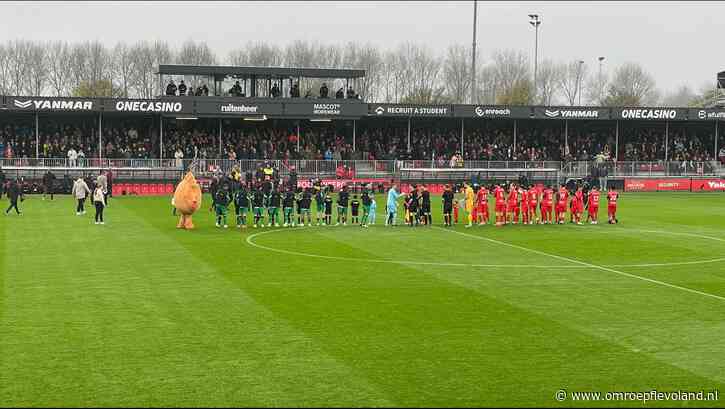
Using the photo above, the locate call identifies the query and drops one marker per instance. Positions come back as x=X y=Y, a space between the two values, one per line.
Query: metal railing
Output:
x=357 y=168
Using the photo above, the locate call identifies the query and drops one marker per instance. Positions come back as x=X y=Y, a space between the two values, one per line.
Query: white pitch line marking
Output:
x=250 y=241
x=585 y=264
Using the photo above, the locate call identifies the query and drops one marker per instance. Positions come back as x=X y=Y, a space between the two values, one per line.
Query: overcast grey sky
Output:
x=678 y=42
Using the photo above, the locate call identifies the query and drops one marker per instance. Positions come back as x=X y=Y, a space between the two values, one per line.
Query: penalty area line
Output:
x=585 y=264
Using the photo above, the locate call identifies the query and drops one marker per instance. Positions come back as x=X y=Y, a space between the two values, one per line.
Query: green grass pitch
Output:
x=138 y=313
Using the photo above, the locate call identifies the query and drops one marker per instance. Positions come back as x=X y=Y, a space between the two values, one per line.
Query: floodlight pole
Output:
x=462 y=120
x=100 y=137
x=473 y=54
x=161 y=137
x=535 y=22
x=616 y=142
x=37 y=137
x=353 y=136
x=220 y=138
x=667 y=140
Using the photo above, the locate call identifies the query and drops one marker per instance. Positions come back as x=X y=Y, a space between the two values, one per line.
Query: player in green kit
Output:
x=288 y=208
x=274 y=202
x=221 y=205
x=320 y=203
x=241 y=206
x=258 y=199
x=342 y=201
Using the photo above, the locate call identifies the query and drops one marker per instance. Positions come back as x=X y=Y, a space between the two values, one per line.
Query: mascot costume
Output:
x=187 y=200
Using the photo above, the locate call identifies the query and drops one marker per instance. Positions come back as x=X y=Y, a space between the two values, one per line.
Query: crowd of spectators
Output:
x=131 y=140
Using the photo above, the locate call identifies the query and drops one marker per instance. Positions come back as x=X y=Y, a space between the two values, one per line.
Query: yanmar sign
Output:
x=572 y=113
x=148 y=106
x=53 y=105
x=708 y=185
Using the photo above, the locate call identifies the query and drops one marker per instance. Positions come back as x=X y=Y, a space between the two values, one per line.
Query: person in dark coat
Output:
x=171 y=88
x=2 y=182
x=182 y=88
x=14 y=193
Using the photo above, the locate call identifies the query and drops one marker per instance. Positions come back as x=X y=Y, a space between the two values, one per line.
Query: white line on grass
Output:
x=589 y=265
x=371 y=260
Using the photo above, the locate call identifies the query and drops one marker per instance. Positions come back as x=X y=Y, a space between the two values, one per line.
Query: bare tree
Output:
x=631 y=85
x=238 y=57
x=59 y=68
x=5 y=79
x=122 y=68
x=549 y=78
x=98 y=65
x=193 y=53
x=37 y=69
x=510 y=68
x=572 y=80
x=78 y=61
x=368 y=58
x=457 y=74
x=18 y=51
x=143 y=78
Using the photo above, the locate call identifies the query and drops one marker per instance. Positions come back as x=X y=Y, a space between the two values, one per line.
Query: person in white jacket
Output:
x=80 y=190
x=99 y=200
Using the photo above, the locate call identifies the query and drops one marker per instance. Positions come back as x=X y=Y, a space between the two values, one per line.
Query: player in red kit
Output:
x=500 y=205
x=524 y=195
x=612 y=197
x=593 y=205
x=482 y=205
x=562 y=197
x=512 y=203
x=577 y=207
x=547 y=201
x=533 y=201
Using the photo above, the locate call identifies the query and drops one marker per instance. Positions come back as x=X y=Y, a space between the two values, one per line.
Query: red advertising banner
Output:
x=708 y=185
x=656 y=185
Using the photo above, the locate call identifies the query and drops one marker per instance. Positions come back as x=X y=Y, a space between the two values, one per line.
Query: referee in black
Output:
x=14 y=193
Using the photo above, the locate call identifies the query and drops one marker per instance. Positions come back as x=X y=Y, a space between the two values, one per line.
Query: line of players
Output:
x=519 y=203
x=278 y=206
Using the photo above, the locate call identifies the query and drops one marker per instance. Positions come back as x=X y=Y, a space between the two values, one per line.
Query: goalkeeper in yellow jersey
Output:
x=469 y=197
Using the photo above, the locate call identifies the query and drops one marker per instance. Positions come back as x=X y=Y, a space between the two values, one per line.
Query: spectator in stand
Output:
x=721 y=155
x=340 y=94
x=182 y=88
x=275 y=92
x=324 y=91
x=350 y=93
x=340 y=172
x=171 y=88
x=236 y=90
x=294 y=91
x=178 y=156
x=72 y=157
x=81 y=157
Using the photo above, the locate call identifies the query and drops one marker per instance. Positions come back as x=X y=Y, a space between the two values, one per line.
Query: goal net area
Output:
x=481 y=176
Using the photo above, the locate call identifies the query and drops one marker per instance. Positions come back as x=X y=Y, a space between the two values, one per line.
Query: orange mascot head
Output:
x=187 y=200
